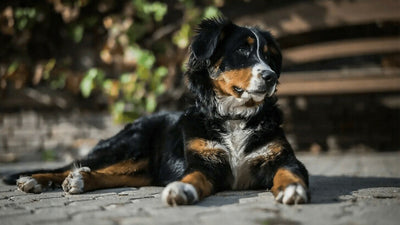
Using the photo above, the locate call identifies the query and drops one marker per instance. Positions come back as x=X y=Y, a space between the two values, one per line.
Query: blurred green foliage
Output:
x=122 y=50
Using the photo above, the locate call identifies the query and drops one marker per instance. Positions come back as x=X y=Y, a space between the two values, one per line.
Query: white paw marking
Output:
x=74 y=183
x=29 y=185
x=179 y=193
x=293 y=194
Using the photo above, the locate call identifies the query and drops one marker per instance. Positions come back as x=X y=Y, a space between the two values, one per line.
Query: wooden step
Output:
x=339 y=82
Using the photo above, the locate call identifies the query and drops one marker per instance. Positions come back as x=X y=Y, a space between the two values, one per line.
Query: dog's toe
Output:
x=74 y=183
x=179 y=193
x=29 y=185
x=292 y=194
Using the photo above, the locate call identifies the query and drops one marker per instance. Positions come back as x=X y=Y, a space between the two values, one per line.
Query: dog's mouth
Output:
x=256 y=97
x=246 y=104
x=263 y=91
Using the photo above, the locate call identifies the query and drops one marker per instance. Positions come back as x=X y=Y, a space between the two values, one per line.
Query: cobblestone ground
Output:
x=346 y=189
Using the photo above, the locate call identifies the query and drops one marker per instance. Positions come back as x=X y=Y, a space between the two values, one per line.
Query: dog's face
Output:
x=243 y=65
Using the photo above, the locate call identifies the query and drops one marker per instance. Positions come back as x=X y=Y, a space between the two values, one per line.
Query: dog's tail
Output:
x=11 y=177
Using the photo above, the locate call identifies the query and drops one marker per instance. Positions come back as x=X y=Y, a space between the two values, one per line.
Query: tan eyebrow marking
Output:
x=265 y=49
x=250 y=40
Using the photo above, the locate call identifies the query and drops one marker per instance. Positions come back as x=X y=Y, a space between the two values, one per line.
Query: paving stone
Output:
x=35 y=217
x=90 y=221
x=345 y=189
x=7 y=212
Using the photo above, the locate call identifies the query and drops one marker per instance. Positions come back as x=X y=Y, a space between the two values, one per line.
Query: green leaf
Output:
x=143 y=73
x=93 y=76
x=77 y=33
x=210 y=12
x=107 y=85
x=13 y=67
x=160 y=89
x=161 y=72
x=159 y=9
x=48 y=67
x=151 y=103
x=146 y=59
x=126 y=78
x=59 y=82
x=25 y=17
x=181 y=38
x=119 y=107
x=86 y=86
x=22 y=23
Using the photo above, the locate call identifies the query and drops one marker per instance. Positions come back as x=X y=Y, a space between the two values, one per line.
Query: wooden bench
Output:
x=365 y=80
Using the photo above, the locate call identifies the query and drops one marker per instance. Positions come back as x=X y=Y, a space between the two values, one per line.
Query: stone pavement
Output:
x=346 y=189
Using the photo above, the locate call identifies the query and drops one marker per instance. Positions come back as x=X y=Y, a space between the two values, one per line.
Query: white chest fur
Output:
x=235 y=140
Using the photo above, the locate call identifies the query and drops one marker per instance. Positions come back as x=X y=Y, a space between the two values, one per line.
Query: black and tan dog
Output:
x=230 y=139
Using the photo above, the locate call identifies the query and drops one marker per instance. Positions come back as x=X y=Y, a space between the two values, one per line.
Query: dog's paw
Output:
x=179 y=193
x=293 y=194
x=29 y=185
x=74 y=182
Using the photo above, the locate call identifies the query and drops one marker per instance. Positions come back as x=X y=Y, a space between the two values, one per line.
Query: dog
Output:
x=229 y=139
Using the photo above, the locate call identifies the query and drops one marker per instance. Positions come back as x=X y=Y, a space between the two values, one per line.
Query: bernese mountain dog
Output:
x=230 y=139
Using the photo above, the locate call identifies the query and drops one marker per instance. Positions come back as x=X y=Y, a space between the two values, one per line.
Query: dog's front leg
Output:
x=289 y=186
x=193 y=187
x=208 y=171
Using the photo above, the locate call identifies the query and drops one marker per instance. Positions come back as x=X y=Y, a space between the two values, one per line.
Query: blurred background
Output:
x=74 y=71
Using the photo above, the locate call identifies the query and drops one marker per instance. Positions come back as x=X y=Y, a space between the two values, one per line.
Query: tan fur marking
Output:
x=275 y=147
x=284 y=178
x=239 y=78
x=250 y=40
x=203 y=186
x=218 y=63
x=125 y=167
x=121 y=174
x=96 y=180
x=45 y=178
x=273 y=50
x=265 y=49
x=200 y=146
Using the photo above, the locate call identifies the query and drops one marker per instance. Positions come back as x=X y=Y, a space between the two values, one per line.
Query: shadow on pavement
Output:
x=228 y=197
x=329 y=189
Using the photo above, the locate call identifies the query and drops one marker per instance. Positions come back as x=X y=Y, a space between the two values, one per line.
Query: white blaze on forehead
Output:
x=257 y=69
x=258 y=47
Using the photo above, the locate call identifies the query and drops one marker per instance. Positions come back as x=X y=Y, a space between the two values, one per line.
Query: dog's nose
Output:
x=269 y=76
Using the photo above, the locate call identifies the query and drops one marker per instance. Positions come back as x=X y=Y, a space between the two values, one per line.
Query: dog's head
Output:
x=233 y=69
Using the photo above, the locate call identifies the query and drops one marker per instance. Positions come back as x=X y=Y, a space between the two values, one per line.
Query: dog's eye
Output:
x=243 y=50
x=238 y=90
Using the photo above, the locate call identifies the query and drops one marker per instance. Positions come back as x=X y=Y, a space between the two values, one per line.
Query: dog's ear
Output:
x=209 y=32
x=274 y=52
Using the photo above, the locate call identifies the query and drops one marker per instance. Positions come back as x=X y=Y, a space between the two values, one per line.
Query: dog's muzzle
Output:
x=266 y=85
x=264 y=80
x=271 y=80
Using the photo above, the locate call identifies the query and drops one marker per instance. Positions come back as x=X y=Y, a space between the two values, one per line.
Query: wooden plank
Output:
x=304 y=16
x=341 y=49
x=321 y=85
x=339 y=74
